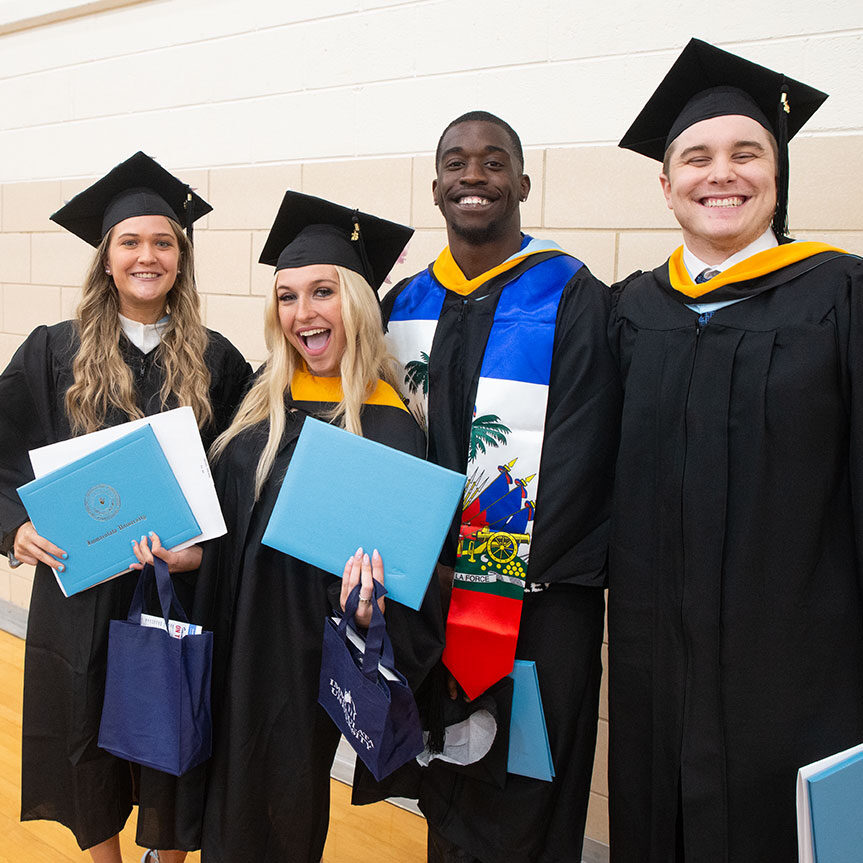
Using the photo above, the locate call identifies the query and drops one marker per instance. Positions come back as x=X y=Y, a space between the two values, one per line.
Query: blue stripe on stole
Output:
x=522 y=337
x=421 y=300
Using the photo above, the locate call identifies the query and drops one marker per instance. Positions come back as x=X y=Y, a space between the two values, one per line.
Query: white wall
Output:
x=208 y=83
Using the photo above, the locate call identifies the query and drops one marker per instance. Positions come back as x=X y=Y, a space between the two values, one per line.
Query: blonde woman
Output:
x=136 y=347
x=268 y=791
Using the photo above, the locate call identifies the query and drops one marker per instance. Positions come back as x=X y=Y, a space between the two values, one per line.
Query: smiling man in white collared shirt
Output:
x=735 y=635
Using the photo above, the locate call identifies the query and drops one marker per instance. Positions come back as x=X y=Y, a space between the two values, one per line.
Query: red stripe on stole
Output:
x=481 y=634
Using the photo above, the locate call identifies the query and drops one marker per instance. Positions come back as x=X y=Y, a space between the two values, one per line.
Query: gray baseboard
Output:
x=343 y=764
x=594 y=852
x=343 y=770
x=13 y=618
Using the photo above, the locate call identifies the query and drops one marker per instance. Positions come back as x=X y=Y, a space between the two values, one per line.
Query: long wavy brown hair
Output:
x=102 y=380
x=364 y=362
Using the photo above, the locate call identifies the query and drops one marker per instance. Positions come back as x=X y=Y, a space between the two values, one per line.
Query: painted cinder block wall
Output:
x=346 y=100
x=203 y=83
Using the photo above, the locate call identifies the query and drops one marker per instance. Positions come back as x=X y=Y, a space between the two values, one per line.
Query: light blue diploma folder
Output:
x=836 y=801
x=529 y=752
x=95 y=506
x=341 y=492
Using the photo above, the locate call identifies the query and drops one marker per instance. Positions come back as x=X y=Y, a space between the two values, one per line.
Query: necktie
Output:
x=706 y=276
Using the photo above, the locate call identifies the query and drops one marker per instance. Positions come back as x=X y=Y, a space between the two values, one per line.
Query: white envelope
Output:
x=177 y=433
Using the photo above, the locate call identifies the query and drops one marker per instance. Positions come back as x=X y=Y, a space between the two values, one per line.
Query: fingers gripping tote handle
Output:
x=165 y=588
x=378 y=645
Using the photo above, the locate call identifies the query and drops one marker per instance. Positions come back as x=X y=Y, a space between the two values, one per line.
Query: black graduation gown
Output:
x=735 y=612
x=268 y=787
x=561 y=627
x=65 y=776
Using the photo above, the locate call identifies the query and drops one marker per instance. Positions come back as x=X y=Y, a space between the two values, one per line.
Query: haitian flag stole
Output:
x=504 y=454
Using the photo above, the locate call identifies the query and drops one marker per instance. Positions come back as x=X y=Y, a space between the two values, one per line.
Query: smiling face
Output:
x=143 y=258
x=480 y=182
x=721 y=185
x=310 y=312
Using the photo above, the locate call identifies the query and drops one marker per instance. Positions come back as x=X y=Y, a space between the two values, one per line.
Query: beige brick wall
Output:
x=14 y=258
x=603 y=204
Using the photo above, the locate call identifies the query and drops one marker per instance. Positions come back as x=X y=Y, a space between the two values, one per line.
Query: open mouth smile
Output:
x=315 y=340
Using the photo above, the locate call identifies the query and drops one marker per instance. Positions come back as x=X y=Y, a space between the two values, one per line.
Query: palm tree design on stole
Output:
x=417 y=374
x=485 y=432
x=417 y=377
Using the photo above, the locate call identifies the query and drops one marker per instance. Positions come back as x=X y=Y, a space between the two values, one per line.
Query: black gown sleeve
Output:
x=26 y=388
x=230 y=377
x=616 y=330
x=580 y=445
x=854 y=371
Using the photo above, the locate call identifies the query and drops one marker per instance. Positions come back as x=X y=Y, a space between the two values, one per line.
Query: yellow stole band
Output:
x=448 y=273
x=306 y=387
x=759 y=264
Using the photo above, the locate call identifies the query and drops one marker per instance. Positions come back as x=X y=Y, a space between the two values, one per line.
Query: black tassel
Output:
x=437 y=695
x=780 y=217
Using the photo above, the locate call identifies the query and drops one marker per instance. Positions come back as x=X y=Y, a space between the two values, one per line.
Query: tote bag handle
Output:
x=378 y=645
x=165 y=588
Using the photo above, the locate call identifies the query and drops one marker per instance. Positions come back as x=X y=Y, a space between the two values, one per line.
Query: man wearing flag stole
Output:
x=506 y=365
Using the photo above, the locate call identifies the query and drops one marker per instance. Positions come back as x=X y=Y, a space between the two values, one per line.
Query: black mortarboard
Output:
x=310 y=230
x=140 y=186
x=707 y=82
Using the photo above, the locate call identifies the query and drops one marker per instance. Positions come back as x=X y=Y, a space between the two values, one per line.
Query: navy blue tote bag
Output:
x=378 y=716
x=157 y=691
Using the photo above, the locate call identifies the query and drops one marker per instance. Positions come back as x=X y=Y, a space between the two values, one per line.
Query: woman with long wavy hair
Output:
x=136 y=347
x=268 y=791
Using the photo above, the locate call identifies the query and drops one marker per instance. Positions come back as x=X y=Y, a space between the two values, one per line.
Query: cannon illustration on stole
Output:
x=499 y=545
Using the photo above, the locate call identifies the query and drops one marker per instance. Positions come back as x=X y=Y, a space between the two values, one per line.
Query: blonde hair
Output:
x=102 y=380
x=363 y=363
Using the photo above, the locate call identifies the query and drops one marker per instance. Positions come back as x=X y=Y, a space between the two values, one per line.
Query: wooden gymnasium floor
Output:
x=382 y=833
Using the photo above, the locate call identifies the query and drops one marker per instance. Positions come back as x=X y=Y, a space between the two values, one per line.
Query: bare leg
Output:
x=107 y=851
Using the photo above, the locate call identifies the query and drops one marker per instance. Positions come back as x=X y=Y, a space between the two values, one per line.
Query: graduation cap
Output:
x=707 y=82
x=310 y=230
x=140 y=186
